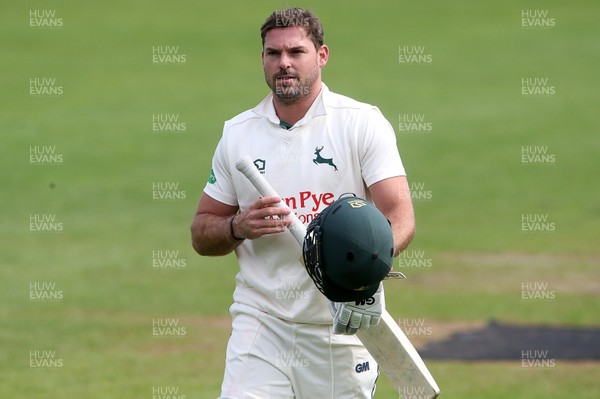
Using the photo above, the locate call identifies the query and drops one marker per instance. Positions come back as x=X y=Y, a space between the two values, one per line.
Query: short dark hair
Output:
x=291 y=17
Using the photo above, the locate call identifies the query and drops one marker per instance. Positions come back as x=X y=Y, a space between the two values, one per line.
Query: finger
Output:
x=339 y=328
x=270 y=225
x=341 y=320
x=268 y=201
x=355 y=321
x=375 y=320
x=274 y=203
x=263 y=202
x=273 y=213
x=365 y=322
x=343 y=315
x=351 y=330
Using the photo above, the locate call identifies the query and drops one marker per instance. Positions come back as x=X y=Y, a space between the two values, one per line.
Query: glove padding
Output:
x=349 y=317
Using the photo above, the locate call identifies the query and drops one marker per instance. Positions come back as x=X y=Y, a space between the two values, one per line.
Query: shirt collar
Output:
x=317 y=108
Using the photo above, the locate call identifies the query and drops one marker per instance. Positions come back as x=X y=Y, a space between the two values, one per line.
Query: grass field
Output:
x=95 y=248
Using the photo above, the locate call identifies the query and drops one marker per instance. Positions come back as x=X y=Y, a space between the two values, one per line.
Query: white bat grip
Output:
x=246 y=166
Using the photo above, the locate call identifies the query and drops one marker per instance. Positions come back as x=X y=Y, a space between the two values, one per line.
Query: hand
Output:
x=349 y=317
x=262 y=217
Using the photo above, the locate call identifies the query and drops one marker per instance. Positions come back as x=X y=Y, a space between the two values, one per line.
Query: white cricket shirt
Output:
x=340 y=146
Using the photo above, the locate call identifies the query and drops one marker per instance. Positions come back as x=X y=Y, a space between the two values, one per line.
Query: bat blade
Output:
x=398 y=358
x=386 y=342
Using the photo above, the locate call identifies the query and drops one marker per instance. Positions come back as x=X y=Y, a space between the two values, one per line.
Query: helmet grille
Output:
x=311 y=252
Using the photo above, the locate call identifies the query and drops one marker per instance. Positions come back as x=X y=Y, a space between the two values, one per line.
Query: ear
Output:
x=323 y=54
x=262 y=58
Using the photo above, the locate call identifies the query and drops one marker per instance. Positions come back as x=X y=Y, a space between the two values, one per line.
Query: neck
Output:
x=293 y=112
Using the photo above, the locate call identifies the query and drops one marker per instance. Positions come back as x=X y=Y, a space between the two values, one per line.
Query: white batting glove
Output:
x=349 y=317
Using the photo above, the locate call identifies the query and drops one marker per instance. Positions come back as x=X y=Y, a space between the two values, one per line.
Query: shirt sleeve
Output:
x=220 y=183
x=379 y=155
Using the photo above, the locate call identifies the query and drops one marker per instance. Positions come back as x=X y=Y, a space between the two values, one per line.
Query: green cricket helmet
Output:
x=348 y=249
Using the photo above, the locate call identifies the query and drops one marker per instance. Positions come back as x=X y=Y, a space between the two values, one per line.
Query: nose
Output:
x=284 y=61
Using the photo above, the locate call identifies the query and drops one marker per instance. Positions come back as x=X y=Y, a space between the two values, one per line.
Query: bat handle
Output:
x=298 y=230
x=261 y=184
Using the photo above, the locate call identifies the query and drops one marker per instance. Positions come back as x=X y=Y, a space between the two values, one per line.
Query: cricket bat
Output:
x=386 y=342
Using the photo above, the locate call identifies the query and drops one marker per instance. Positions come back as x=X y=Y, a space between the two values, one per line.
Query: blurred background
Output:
x=109 y=115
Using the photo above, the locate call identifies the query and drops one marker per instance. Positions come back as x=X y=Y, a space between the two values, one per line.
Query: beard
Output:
x=294 y=87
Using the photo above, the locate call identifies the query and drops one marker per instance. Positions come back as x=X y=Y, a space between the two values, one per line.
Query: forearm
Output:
x=212 y=235
x=403 y=228
x=392 y=198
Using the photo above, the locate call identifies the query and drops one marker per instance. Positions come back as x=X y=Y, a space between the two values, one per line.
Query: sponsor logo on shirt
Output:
x=261 y=165
x=309 y=200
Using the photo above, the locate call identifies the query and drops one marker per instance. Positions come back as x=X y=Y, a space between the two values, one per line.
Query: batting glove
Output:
x=349 y=317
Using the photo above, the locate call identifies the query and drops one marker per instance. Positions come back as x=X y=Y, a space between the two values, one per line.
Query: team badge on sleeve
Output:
x=212 y=179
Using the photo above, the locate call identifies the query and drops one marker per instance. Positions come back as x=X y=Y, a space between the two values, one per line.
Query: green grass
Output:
x=470 y=162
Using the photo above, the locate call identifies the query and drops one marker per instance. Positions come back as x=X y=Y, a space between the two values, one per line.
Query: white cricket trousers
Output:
x=271 y=358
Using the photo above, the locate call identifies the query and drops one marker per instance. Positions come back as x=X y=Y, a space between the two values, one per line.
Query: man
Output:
x=312 y=145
